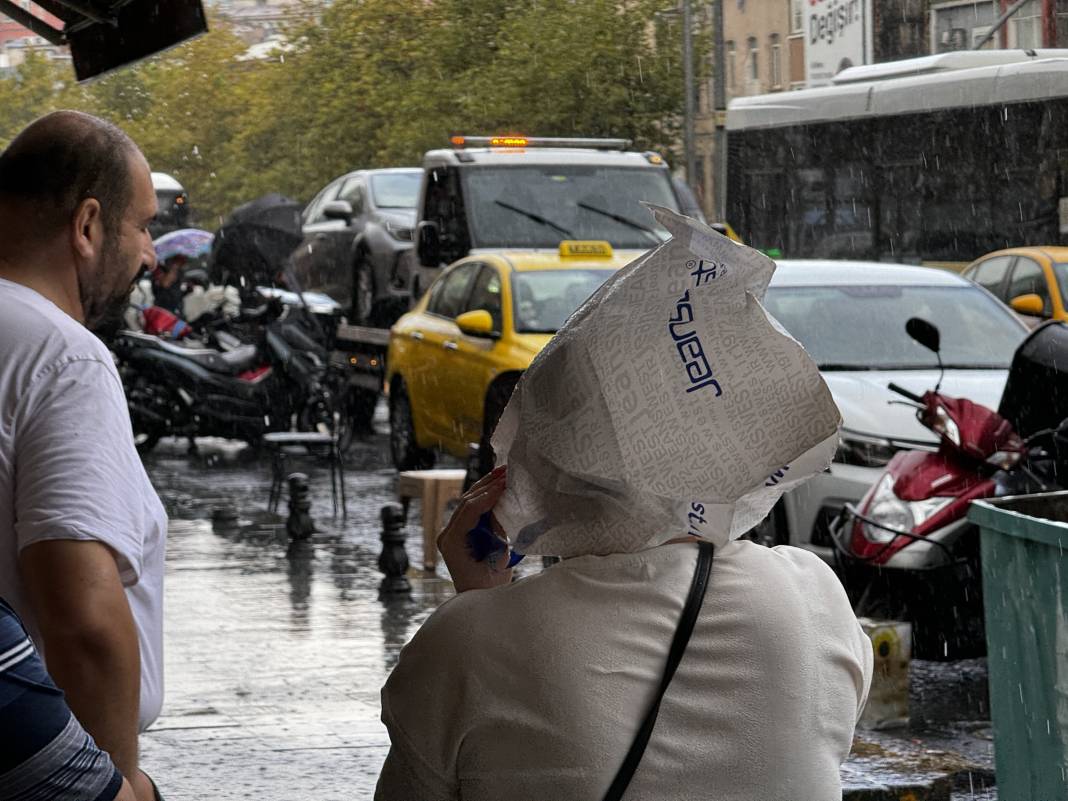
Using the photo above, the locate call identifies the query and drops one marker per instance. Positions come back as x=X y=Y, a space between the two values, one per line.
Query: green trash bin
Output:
x=1025 y=596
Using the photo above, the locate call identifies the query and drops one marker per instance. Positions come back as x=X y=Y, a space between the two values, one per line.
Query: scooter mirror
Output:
x=924 y=332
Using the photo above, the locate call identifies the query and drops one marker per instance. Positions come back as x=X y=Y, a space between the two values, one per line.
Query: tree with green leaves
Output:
x=375 y=83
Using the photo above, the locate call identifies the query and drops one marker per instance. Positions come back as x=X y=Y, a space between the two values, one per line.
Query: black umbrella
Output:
x=252 y=247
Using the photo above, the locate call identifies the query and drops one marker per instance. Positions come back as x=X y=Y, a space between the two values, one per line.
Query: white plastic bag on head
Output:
x=669 y=403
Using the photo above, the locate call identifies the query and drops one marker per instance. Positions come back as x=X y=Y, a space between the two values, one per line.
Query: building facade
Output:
x=261 y=21
x=764 y=52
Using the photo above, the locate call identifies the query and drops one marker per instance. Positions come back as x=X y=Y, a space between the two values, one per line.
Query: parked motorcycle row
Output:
x=233 y=370
x=267 y=370
x=907 y=551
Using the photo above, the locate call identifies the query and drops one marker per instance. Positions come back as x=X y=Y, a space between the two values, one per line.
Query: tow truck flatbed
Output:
x=362 y=335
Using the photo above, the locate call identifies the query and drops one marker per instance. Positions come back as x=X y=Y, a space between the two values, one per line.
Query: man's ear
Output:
x=87 y=229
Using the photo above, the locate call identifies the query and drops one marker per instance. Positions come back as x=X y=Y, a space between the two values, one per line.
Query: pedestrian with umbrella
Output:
x=173 y=252
x=253 y=245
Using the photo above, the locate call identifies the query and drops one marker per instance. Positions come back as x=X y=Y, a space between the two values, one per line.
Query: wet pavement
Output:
x=275 y=652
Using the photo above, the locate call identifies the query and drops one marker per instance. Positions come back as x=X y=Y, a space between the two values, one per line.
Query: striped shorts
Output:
x=44 y=751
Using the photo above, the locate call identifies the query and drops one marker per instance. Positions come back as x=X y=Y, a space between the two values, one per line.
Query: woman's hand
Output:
x=467 y=574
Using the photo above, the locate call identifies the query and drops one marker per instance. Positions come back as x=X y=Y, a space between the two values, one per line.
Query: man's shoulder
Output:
x=40 y=335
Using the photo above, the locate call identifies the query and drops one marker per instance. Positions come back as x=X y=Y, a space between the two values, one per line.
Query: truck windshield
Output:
x=538 y=206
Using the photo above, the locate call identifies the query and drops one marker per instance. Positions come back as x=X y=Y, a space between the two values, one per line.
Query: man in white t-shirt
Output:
x=82 y=532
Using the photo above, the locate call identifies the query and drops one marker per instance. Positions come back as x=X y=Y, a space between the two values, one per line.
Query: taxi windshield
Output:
x=538 y=206
x=544 y=299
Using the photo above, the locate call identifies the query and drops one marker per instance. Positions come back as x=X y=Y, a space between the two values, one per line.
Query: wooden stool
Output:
x=434 y=489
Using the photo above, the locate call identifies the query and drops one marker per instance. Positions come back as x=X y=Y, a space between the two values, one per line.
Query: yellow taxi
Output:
x=1031 y=280
x=455 y=358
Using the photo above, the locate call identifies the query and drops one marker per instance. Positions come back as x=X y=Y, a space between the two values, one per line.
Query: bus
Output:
x=173 y=203
x=934 y=160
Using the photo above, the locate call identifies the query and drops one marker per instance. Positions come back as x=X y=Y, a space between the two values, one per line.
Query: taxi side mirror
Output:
x=1029 y=304
x=477 y=323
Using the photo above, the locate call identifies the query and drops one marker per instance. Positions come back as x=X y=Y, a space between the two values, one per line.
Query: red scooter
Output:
x=908 y=550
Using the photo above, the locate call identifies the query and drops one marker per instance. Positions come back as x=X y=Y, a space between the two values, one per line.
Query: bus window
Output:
x=887 y=170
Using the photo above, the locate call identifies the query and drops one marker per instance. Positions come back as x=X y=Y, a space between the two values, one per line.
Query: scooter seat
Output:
x=231 y=362
x=241 y=358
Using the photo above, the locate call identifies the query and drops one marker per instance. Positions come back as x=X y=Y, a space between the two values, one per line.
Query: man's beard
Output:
x=104 y=315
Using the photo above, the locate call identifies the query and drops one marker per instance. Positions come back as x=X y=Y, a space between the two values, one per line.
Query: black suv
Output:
x=355 y=231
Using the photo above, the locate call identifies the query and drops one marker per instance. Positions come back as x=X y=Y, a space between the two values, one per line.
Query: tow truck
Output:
x=514 y=193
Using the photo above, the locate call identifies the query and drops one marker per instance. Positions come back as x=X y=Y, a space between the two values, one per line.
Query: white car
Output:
x=850 y=316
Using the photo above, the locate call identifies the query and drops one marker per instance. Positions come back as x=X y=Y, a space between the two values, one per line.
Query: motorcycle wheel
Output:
x=140 y=391
x=946 y=626
x=407 y=455
x=145 y=441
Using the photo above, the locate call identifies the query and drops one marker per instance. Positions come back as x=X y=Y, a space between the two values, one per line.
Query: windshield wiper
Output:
x=619 y=218
x=832 y=366
x=533 y=216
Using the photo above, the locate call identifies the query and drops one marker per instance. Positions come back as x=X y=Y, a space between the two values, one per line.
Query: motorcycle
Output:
x=907 y=550
x=230 y=387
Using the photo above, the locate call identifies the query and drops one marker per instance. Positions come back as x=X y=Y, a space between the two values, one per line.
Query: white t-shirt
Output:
x=69 y=468
x=535 y=690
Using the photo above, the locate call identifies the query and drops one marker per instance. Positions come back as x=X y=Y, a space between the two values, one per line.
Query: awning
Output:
x=105 y=34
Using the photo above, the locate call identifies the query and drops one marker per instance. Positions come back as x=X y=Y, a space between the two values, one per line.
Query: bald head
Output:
x=56 y=163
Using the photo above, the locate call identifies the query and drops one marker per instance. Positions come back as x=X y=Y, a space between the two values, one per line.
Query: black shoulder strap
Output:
x=678 y=648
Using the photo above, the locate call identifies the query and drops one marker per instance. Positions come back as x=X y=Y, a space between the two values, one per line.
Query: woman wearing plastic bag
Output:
x=663 y=658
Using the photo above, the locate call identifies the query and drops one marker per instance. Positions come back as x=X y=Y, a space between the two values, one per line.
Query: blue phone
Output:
x=483 y=542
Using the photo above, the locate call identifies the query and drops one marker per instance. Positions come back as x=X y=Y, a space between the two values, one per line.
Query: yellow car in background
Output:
x=1030 y=280
x=455 y=358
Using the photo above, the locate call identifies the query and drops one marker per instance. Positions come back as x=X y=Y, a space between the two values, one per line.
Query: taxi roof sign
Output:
x=585 y=249
x=515 y=140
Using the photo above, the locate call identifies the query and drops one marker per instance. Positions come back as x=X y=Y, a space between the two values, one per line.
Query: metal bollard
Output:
x=393 y=561
x=300 y=525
